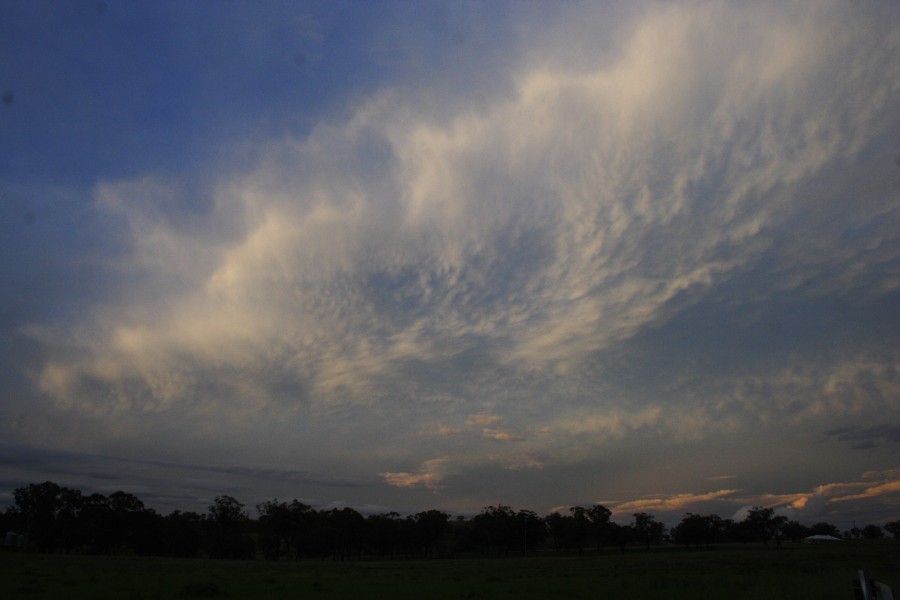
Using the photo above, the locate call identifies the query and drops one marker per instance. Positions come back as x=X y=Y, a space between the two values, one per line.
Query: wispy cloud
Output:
x=499 y=435
x=393 y=236
x=641 y=238
x=483 y=419
x=866 y=437
x=429 y=475
x=677 y=502
x=443 y=431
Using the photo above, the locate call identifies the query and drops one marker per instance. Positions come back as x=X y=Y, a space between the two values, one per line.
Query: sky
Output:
x=414 y=255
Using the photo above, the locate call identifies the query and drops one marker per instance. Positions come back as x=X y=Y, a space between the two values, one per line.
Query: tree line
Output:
x=49 y=518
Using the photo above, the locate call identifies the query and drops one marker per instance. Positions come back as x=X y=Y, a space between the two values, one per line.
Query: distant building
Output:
x=821 y=538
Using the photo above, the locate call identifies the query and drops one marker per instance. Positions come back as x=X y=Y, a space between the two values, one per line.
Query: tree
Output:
x=691 y=530
x=578 y=528
x=872 y=532
x=824 y=529
x=494 y=528
x=430 y=526
x=716 y=529
x=183 y=534
x=570 y=532
x=69 y=525
x=893 y=528
x=276 y=522
x=99 y=523
x=226 y=529
x=622 y=535
x=345 y=532
x=39 y=504
x=795 y=531
x=533 y=529
x=383 y=533
x=647 y=529
x=135 y=527
x=11 y=520
x=765 y=524
x=304 y=521
x=599 y=517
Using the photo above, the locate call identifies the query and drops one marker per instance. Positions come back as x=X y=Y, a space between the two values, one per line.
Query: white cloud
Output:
x=400 y=256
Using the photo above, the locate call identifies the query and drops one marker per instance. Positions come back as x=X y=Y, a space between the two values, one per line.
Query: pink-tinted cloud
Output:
x=442 y=431
x=483 y=419
x=884 y=489
x=499 y=435
x=671 y=503
x=429 y=475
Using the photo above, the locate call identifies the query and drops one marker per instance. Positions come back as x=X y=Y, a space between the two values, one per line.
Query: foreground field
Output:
x=792 y=571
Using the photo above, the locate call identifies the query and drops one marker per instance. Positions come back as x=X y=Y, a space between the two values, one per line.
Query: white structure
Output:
x=822 y=538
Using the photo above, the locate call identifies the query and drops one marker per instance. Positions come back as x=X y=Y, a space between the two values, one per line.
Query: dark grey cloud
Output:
x=864 y=438
x=161 y=484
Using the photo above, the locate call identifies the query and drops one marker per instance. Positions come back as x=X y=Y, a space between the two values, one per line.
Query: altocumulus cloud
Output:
x=489 y=271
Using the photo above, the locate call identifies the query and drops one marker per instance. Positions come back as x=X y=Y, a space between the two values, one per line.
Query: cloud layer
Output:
x=634 y=245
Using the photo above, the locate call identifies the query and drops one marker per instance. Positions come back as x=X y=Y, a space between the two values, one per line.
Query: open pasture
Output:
x=734 y=572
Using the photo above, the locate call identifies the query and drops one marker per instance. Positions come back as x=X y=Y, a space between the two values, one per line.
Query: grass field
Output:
x=793 y=571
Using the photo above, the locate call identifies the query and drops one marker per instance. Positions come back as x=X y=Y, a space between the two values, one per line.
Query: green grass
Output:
x=734 y=572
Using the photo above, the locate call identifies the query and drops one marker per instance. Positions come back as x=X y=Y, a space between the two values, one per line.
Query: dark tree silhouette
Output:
x=692 y=530
x=533 y=528
x=495 y=529
x=430 y=527
x=99 y=524
x=276 y=522
x=622 y=535
x=226 y=529
x=69 y=525
x=58 y=519
x=893 y=527
x=383 y=534
x=344 y=533
x=794 y=531
x=647 y=529
x=599 y=516
x=570 y=532
x=39 y=504
x=134 y=526
x=183 y=534
x=824 y=529
x=765 y=524
x=872 y=532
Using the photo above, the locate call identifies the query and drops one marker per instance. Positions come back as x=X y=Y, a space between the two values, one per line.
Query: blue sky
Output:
x=402 y=256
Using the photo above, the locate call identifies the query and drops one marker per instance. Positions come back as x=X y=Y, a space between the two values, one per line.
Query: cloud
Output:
x=483 y=419
x=866 y=437
x=527 y=461
x=562 y=219
x=501 y=261
x=872 y=495
x=609 y=422
x=443 y=431
x=677 y=502
x=429 y=475
x=499 y=435
x=166 y=484
x=888 y=488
